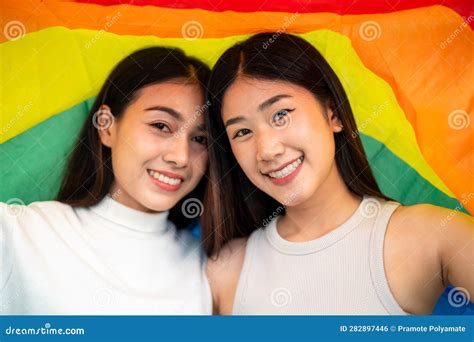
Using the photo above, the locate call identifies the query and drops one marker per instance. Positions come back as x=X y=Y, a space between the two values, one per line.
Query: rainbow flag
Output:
x=407 y=70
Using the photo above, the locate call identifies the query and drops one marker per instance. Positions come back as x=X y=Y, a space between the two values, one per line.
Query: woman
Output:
x=114 y=241
x=299 y=225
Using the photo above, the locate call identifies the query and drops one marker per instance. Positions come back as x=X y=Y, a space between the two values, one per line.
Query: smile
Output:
x=174 y=182
x=287 y=170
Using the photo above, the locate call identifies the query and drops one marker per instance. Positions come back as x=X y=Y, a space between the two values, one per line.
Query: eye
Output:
x=161 y=127
x=279 y=117
x=241 y=133
x=202 y=139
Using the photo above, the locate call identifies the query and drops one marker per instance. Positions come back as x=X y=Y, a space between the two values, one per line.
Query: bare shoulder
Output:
x=223 y=272
x=423 y=220
x=454 y=234
x=419 y=243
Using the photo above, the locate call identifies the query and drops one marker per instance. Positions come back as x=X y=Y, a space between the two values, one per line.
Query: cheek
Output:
x=134 y=149
x=315 y=133
x=243 y=154
x=144 y=144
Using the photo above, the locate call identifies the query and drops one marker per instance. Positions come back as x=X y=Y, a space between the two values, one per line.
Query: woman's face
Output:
x=281 y=136
x=158 y=146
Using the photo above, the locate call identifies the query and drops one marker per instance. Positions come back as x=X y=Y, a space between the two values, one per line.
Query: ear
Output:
x=103 y=121
x=335 y=122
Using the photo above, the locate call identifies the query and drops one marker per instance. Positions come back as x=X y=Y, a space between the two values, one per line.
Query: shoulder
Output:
x=450 y=231
x=422 y=247
x=415 y=231
x=422 y=219
x=423 y=225
x=36 y=211
x=223 y=272
x=37 y=218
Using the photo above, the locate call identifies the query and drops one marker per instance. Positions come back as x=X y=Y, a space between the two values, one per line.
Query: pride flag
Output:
x=407 y=68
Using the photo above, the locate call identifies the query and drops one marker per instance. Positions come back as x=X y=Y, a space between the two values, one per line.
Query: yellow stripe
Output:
x=51 y=70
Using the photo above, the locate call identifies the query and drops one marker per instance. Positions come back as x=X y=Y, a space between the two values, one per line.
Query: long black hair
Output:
x=238 y=207
x=89 y=175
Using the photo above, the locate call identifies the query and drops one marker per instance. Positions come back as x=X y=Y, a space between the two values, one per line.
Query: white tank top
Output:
x=340 y=273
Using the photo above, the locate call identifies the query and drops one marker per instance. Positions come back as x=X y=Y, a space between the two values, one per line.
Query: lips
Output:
x=286 y=169
x=166 y=177
x=286 y=173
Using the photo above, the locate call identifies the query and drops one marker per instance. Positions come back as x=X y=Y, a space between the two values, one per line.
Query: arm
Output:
x=456 y=241
x=223 y=273
x=427 y=248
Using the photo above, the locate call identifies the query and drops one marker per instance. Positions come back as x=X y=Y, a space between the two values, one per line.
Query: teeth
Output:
x=164 y=179
x=287 y=169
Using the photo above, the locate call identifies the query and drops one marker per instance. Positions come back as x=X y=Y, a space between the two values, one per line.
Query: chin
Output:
x=295 y=197
x=158 y=203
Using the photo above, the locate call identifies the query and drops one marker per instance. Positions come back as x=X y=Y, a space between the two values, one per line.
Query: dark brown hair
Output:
x=238 y=207
x=89 y=175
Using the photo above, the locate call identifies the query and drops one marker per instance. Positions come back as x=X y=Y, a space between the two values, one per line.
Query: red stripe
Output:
x=464 y=7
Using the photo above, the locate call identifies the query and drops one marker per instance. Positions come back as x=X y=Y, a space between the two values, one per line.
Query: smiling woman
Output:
x=135 y=134
x=287 y=148
x=113 y=242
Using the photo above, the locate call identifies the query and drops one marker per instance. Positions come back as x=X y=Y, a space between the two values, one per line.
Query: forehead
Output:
x=172 y=93
x=251 y=92
x=248 y=93
x=187 y=99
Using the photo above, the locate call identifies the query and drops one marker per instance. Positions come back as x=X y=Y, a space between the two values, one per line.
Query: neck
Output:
x=121 y=196
x=330 y=206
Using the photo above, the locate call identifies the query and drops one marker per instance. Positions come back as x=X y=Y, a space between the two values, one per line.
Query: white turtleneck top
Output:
x=106 y=259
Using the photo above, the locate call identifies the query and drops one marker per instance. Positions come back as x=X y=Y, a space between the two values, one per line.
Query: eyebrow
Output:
x=233 y=121
x=264 y=105
x=267 y=103
x=178 y=116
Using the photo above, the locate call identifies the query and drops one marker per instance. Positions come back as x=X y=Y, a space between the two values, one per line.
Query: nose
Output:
x=268 y=146
x=177 y=152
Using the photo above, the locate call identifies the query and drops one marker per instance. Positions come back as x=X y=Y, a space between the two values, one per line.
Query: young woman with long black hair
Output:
x=114 y=241
x=298 y=224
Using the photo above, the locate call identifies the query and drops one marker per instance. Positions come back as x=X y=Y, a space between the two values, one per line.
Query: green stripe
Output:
x=35 y=162
x=401 y=182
